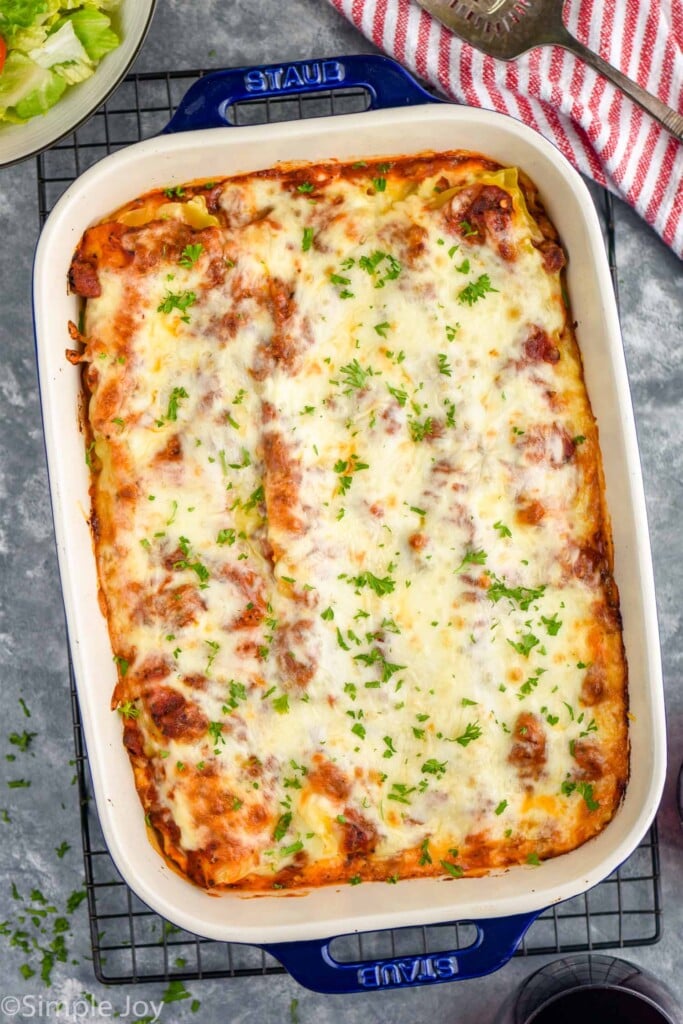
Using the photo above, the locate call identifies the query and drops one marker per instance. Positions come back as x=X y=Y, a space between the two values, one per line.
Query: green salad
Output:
x=46 y=46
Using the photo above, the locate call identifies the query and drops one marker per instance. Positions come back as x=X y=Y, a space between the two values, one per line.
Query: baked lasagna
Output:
x=349 y=522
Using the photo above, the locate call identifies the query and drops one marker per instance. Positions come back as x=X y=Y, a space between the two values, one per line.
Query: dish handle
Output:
x=312 y=965
x=207 y=101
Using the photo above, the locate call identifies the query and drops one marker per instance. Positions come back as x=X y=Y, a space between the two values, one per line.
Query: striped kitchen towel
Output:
x=601 y=131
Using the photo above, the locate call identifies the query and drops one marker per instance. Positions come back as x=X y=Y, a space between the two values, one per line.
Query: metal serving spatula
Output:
x=508 y=28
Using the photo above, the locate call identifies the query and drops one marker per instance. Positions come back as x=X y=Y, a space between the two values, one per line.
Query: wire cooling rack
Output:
x=130 y=942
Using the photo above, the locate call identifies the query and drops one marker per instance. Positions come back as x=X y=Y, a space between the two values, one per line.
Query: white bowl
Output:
x=18 y=141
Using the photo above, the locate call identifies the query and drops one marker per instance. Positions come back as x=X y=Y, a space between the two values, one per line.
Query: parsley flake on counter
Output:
x=22 y=740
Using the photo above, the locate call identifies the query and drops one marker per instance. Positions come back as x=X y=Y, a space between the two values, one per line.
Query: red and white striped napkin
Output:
x=601 y=131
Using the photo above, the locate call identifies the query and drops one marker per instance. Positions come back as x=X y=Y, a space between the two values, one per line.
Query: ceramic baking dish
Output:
x=297 y=929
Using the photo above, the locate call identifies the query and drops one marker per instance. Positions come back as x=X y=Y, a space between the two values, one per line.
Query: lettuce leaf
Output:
x=94 y=32
x=50 y=44
x=26 y=89
x=59 y=47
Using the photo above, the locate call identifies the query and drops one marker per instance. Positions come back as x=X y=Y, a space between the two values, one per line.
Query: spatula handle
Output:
x=672 y=121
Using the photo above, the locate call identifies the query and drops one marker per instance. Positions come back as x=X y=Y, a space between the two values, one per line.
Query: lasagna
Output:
x=349 y=523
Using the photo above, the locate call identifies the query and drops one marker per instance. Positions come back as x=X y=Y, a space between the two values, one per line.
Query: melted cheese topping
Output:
x=349 y=524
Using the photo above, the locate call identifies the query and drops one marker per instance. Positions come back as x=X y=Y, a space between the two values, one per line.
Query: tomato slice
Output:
x=3 y=53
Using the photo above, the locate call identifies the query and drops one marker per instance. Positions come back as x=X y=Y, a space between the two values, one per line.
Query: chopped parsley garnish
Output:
x=282 y=826
x=451 y=331
x=434 y=767
x=525 y=645
x=237 y=692
x=185 y=563
x=501 y=807
x=382 y=328
x=287 y=851
x=174 y=192
x=552 y=624
x=444 y=365
x=476 y=290
x=281 y=704
x=227 y=536
x=472 y=558
x=255 y=498
x=370 y=264
x=190 y=255
x=345 y=469
x=419 y=431
x=173 y=403
x=523 y=596
x=585 y=789
x=453 y=869
x=528 y=687
x=305 y=187
x=180 y=301
x=389 y=744
x=244 y=463
x=400 y=792
x=400 y=394
x=534 y=859
x=128 y=710
x=472 y=732
x=354 y=376
x=380 y=184
x=216 y=733
x=425 y=857
x=467 y=229
x=342 y=282
x=214 y=648
x=464 y=267
x=503 y=530
x=381 y=586
x=388 y=668
x=358 y=729
x=307 y=239
x=328 y=614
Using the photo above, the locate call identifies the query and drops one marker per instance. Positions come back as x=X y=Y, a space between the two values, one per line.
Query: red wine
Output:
x=600 y=1004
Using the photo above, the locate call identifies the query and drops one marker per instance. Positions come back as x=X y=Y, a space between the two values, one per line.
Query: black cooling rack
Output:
x=130 y=942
